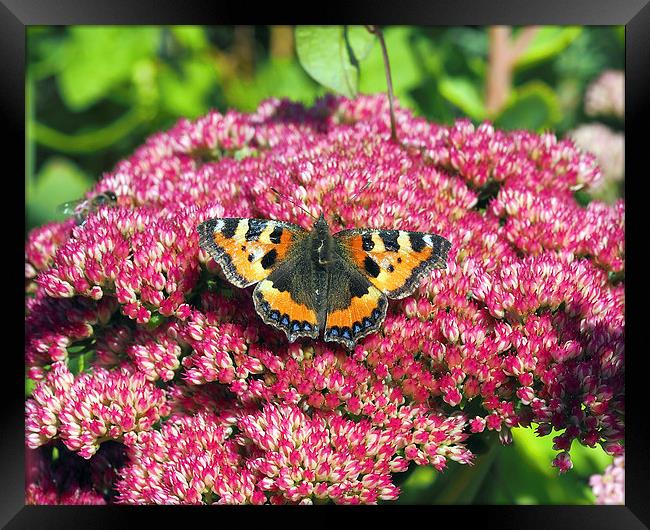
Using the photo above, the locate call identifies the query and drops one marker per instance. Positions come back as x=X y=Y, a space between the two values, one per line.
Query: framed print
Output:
x=328 y=264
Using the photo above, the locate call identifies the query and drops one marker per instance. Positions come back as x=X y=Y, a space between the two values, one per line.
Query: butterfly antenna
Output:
x=360 y=191
x=292 y=202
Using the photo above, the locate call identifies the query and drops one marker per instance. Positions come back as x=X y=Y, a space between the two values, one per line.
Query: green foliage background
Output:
x=95 y=93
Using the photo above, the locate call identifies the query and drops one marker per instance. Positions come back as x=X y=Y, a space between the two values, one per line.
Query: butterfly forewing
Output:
x=394 y=260
x=248 y=249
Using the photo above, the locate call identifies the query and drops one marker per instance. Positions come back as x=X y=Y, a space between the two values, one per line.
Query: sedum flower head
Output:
x=92 y=408
x=525 y=327
x=280 y=454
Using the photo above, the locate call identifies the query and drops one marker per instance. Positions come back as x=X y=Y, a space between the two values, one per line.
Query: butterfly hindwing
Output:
x=290 y=298
x=248 y=250
x=355 y=307
x=394 y=260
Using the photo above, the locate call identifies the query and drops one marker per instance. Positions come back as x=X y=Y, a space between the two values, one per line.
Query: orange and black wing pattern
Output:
x=291 y=298
x=355 y=307
x=248 y=250
x=271 y=254
x=394 y=261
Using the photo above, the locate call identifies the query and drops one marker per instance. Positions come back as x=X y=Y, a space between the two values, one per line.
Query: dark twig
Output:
x=375 y=30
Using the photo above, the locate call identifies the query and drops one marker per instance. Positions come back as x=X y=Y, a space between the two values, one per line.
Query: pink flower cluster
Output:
x=607 y=145
x=115 y=252
x=525 y=327
x=291 y=457
x=92 y=408
x=606 y=95
x=609 y=488
x=41 y=247
x=52 y=325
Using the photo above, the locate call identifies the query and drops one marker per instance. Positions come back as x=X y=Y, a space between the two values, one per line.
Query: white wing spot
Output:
x=257 y=253
x=427 y=240
x=219 y=225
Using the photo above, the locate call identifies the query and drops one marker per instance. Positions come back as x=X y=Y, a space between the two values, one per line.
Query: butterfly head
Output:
x=322 y=228
x=322 y=240
x=321 y=222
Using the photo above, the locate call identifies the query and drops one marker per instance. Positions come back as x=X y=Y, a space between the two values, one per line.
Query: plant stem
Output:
x=503 y=56
x=375 y=30
x=499 y=74
x=244 y=50
x=89 y=141
x=281 y=45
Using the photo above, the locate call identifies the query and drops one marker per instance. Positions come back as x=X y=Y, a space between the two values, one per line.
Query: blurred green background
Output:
x=95 y=93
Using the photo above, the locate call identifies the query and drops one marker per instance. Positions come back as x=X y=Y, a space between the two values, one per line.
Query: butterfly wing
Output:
x=248 y=249
x=355 y=307
x=394 y=261
x=290 y=297
x=271 y=254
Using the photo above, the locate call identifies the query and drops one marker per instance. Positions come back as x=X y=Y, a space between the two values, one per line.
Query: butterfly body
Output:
x=314 y=281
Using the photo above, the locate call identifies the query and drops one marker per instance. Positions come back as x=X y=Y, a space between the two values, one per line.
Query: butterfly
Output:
x=313 y=281
x=81 y=208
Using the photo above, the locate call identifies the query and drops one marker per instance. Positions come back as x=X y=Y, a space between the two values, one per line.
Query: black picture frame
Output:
x=16 y=15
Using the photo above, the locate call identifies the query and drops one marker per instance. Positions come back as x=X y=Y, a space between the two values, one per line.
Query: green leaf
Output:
x=98 y=59
x=46 y=54
x=532 y=106
x=192 y=37
x=331 y=54
x=187 y=93
x=619 y=31
x=473 y=42
x=523 y=474
x=155 y=320
x=547 y=42
x=30 y=385
x=79 y=363
x=59 y=181
x=457 y=484
x=416 y=489
x=275 y=78
x=464 y=94
x=463 y=486
x=582 y=197
x=360 y=41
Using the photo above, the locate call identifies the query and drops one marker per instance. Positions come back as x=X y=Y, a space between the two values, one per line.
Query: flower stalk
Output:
x=376 y=30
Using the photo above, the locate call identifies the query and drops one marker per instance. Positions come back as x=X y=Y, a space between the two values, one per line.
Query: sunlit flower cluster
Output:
x=525 y=327
x=94 y=407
